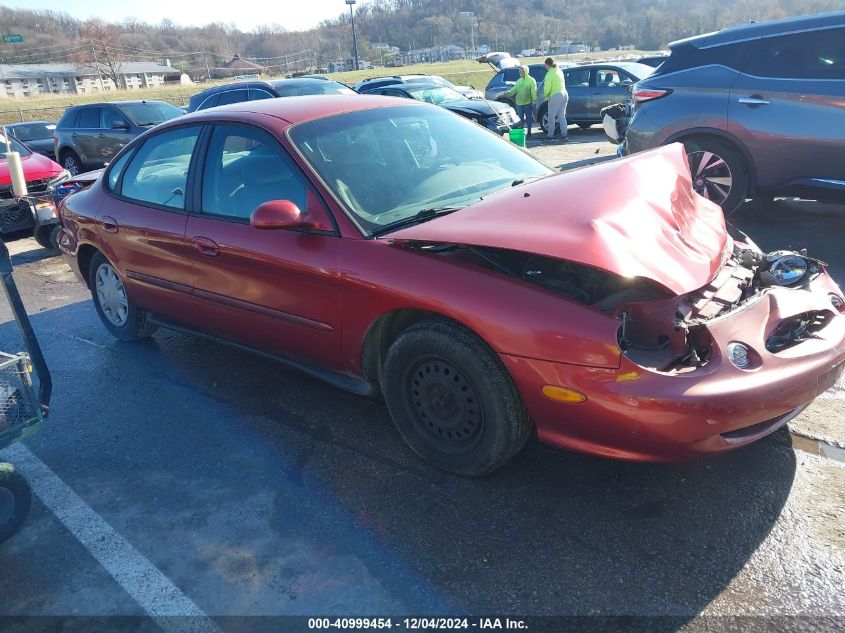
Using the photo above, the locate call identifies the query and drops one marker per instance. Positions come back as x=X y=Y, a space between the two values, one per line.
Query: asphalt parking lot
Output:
x=177 y=477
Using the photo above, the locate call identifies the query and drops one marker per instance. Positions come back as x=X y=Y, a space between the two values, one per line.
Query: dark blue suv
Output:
x=255 y=90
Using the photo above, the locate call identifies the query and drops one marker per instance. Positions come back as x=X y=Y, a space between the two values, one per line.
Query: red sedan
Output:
x=398 y=249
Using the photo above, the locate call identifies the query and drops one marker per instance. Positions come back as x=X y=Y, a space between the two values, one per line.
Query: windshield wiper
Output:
x=418 y=218
x=522 y=181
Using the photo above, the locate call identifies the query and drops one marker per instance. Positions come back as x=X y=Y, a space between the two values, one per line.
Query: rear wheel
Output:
x=544 y=120
x=71 y=162
x=15 y=501
x=718 y=172
x=452 y=400
x=125 y=320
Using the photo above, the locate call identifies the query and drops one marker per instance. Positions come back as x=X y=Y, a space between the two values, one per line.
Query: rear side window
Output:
x=89 y=118
x=812 y=55
x=734 y=56
x=69 y=119
x=158 y=172
x=245 y=167
x=510 y=74
x=210 y=102
x=233 y=96
x=538 y=72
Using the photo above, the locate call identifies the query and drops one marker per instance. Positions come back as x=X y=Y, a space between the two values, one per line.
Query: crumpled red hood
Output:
x=636 y=217
x=35 y=167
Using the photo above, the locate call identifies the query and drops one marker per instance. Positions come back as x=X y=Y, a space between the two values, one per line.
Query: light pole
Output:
x=354 y=41
x=471 y=16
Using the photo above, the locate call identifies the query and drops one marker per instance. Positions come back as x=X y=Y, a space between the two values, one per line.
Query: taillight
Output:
x=488 y=86
x=641 y=95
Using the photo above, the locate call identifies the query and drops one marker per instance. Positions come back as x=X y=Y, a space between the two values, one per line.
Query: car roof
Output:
x=241 y=85
x=299 y=81
x=99 y=104
x=756 y=30
x=293 y=109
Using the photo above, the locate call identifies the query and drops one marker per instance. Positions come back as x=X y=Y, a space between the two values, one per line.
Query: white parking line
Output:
x=142 y=580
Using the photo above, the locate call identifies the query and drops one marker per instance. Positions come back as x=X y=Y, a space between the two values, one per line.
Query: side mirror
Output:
x=626 y=82
x=630 y=88
x=277 y=214
x=119 y=125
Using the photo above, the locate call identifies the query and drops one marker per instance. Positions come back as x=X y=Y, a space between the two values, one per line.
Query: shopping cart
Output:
x=23 y=406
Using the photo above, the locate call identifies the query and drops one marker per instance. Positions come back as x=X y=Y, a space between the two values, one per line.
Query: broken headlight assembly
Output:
x=787 y=268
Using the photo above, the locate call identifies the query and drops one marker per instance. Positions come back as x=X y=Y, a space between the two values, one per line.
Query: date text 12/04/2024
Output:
x=417 y=623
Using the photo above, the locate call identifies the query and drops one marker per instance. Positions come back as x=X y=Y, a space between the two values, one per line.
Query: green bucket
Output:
x=517 y=136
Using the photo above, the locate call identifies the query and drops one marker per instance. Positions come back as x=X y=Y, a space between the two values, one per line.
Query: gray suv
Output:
x=88 y=136
x=759 y=108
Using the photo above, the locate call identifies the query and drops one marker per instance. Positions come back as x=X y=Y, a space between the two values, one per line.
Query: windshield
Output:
x=435 y=94
x=33 y=131
x=316 y=87
x=388 y=164
x=150 y=113
x=16 y=146
x=431 y=79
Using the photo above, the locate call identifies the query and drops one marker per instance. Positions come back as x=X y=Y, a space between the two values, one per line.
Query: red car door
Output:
x=143 y=222
x=273 y=290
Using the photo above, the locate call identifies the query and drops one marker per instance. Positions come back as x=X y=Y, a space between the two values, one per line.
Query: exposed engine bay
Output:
x=659 y=330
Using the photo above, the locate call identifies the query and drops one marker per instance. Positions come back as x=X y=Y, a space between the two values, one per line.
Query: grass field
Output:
x=461 y=72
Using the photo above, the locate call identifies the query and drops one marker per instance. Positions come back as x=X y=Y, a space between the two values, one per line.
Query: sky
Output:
x=294 y=15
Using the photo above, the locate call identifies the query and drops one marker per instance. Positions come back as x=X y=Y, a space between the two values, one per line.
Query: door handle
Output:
x=205 y=246
x=754 y=100
x=109 y=224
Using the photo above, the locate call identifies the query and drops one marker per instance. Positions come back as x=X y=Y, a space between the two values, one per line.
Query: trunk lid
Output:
x=635 y=217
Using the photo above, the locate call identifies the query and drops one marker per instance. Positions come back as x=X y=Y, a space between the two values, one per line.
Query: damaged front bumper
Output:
x=641 y=413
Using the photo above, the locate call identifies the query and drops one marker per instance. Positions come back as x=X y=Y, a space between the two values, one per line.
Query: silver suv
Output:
x=760 y=109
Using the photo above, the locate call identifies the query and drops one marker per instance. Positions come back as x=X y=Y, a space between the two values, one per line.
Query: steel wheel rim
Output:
x=711 y=176
x=7 y=505
x=111 y=295
x=446 y=406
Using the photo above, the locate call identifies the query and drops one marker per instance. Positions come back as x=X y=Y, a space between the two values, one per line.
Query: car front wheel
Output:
x=718 y=173
x=452 y=400
x=125 y=320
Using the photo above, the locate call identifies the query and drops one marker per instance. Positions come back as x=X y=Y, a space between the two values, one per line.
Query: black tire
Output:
x=543 y=120
x=452 y=400
x=55 y=234
x=42 y=236
x=72 y=162
x=733 y=167
x=136 y=324
x=15 y=501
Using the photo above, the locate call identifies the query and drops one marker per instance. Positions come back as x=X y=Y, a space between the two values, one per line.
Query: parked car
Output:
x=368 y=85
x=36 y=135
x=591 y=87
x=17 y=215
x=257 y=90
x=498 y=117
x=389 y=247
x=88 y=136
x=759 y=108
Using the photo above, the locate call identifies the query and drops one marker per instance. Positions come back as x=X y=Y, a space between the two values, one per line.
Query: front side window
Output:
x=577 y=77
x=316 y=87
x=158 y=172
x=812 y=55
x=111 y=118
x=232 y=96
x=386 y=165
x=243 y=168
x=258 y=94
